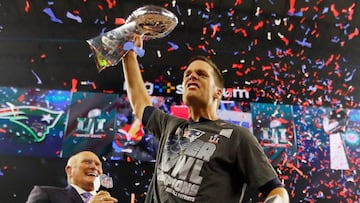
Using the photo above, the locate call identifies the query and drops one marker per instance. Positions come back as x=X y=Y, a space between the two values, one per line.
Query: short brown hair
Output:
x=219 y=80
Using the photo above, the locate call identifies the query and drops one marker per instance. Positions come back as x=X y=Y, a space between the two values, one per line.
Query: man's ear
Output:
x=218 y=93
x=68 y=170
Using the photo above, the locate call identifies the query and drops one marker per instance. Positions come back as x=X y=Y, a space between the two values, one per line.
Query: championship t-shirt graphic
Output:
x=182 y=160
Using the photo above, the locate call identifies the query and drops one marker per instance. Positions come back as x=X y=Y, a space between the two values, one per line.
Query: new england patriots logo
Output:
x=193 y=134
x=32 y=120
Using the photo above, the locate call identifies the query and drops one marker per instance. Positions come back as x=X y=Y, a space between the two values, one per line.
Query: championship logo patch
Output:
x=193 y=134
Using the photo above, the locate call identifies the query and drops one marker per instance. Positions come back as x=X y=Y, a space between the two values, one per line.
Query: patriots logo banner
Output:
x=31 y=130
x=33 y=121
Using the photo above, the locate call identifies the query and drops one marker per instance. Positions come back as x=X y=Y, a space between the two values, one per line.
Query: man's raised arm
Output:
x=136 y=90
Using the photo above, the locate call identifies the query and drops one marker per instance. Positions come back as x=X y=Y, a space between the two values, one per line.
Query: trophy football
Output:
x=150 y=22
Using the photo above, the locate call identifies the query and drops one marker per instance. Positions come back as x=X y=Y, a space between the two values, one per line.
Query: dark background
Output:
x=49 y=51
x=53 y=48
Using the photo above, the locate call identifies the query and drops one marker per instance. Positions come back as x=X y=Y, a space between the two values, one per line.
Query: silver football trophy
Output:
x=150 y=22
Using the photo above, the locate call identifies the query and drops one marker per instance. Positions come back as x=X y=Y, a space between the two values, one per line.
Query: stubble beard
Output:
x=192 y=99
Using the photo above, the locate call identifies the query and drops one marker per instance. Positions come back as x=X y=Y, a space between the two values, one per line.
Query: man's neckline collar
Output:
x=201 y=119
x=81 y=191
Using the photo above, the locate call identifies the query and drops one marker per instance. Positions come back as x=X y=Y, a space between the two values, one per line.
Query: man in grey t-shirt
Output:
x=203 y=159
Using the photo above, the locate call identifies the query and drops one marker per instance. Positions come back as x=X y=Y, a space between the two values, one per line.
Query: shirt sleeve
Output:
x=272 y=184
x=255 y=165
x=146 y=114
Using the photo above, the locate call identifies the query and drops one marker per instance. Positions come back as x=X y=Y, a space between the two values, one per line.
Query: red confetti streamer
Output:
x=238 y=73
x=27 y=6
x=93 y=85
x=351 y=11
x=183 y=67
x=334 y=11
x=111 y=4
x=209 y=5
x=74 y=83
x=247 y=71
x=329 y=60
x=259 y=25
x=238 y=2
x=316 y=9
x=119 y=21
x=290 y=27
x=303 y=20
x=304 y=9
x=231 y=12
x=202 y=47
x=292 y=6
x=108 y=91
x=215 y=29
x=189 y=47
x=237 y=66
x=21 y=98
x=243 y=31
x=204 y=30
x=353 y=34
x=128 y=159
x=265 y=68
x=338 y=57
x=285 y=40
x=77 y=12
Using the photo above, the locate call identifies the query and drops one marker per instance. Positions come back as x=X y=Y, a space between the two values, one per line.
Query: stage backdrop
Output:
x=314 y=150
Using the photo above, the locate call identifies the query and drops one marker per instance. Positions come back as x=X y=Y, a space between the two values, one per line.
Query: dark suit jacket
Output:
x=49 y=194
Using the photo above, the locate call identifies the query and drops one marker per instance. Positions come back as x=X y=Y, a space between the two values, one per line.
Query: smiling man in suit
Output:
x=82 y=169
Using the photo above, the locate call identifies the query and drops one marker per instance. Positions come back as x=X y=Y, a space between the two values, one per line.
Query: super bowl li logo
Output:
x=91 y=126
